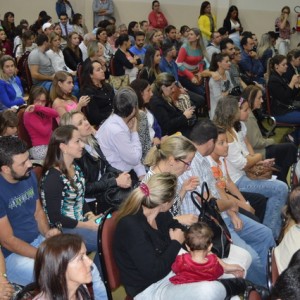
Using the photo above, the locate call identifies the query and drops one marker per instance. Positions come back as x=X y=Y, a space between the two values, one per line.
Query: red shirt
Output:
x=188 y=271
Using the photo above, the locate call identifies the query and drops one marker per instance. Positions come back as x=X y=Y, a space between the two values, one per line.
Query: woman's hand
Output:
x=236 y=222
x=190 y=184
x=6 y=290
x=124 y=180
x=132 y=124
x=267 y=162
x=91 y=224
x=189 y=112
x=187 y=219
x=30 y=108
x=155 y=141
x=177 y=235
x=52 y=232
x=83 y=101
x=195 y=80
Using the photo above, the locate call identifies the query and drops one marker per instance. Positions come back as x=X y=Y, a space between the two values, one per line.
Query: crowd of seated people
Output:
x=144 y=140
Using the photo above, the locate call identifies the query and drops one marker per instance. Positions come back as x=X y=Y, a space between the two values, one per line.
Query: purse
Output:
x=210 y=214
x=118 y=81
x=259 y=171
x=115 y=195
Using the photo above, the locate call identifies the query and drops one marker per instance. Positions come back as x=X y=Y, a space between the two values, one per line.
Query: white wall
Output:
x=256 y=15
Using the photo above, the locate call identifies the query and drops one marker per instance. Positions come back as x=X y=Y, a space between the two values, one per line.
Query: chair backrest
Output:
x=268 y=100
x=112 y=70
x=79 y=74
x=22 y=132
x=28 y=77
x=207 y=92
x=272 y=269
x=110 y=270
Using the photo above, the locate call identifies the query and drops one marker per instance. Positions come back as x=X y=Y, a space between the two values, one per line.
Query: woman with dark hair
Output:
x=233 y=24
x=78 y=25
x=220 y=63
x=118 y=137
x=38 y=121
x=169 y=117
x=94 y=164
x=8 y=25
x=283 y=92
x=207 y=22
x=133 y=27
x=63 y=188
x=125 y=62
x=285 y=154
x=101 y=93
x=59 y=257
x=27 y=44
x=64 y=6
x=101 y=36
x=5 y=44
x=144 y=94
x=151 y=68
x=72 y=53
x=157 y=19
x=10 y=85
x=293 y=60
x=62 y=269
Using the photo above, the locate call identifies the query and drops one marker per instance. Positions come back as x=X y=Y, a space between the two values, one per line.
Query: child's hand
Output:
x=234 y=269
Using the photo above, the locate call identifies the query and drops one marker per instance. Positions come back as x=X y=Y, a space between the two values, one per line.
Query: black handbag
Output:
x=115 y=195
x=210 y=214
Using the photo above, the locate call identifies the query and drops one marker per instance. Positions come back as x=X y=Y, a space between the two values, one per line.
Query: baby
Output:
x=199 y=264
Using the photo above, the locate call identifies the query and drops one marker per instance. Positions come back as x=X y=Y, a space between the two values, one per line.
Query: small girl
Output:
x=61 y=94
x=8 y=123
x=199 y=264
x=38 y=121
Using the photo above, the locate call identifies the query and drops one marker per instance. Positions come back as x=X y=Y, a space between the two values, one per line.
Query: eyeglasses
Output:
x=188 y=164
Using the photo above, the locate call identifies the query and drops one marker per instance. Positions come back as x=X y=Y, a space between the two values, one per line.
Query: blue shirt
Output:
x=139 y=52
x=169 y=67
x=18 y=204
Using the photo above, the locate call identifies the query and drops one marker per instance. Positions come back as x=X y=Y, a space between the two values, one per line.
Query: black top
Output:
x=145 y=74
x=169 y=117
x=290 y=72
x=121 y=62
x=282 y=95
x=71 y=59
x=143 y=254
x=91 y=168
x=100 y=106
x=227 y=25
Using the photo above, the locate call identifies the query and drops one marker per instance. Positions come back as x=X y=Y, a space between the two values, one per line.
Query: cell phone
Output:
x=98 y=220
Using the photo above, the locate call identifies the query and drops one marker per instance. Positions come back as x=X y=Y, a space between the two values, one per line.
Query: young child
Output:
x=199 y=264
x=8 y=123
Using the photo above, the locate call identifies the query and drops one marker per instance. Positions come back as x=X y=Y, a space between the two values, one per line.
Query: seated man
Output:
x=65 y=25
x=170 y=32
x=40 y=66
x=138 y=48
x=250 y=65
x=245 y=232
x=23 y=222
x=214 y=44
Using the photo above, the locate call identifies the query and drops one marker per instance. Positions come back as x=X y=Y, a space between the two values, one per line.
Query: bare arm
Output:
x=34 y=70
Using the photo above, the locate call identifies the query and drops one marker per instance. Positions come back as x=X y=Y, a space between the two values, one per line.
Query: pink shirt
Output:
x=39 y=124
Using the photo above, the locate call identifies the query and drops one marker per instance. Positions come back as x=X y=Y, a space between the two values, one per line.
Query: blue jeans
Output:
x=276 y=191
x=19 y=268
x=198 y=89
x=256 y=239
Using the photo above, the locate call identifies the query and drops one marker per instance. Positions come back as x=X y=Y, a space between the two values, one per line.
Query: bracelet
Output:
x=3 y=275
x=247 y=202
